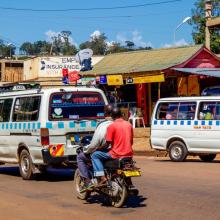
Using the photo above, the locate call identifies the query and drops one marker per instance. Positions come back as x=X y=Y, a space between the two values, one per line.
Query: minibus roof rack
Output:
x=22 y=86
x=13 y=87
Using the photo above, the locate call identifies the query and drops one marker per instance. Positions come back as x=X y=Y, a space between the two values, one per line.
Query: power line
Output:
x=89 y=9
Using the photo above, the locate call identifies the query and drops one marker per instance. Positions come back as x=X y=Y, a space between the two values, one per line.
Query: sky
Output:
x=151 y=25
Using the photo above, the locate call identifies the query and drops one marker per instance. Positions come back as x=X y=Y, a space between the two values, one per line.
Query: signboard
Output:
x=53 y=66
x=73 y=76
x=129 y=80
x=115 y=80
x=148 y=79
x=88 y=81
x=103 y=80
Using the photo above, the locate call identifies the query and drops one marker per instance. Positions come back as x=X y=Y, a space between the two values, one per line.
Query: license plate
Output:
x=130 y=173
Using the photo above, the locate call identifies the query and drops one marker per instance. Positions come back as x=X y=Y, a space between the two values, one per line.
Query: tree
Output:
x=199 y=22
x=130 y=45
x=116 y=47
x=97 y=44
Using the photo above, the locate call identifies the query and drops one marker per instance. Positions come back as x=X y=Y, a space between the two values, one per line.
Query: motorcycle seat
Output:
x=116 y=163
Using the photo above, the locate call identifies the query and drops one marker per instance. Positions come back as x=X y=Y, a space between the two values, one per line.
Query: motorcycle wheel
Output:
x=119 y=200
x=77 y=184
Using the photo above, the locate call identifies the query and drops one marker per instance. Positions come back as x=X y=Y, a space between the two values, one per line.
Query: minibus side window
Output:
x=209 y=111
x=26 y=109
x=187 y=111
x=5 y=109
x=167 y=111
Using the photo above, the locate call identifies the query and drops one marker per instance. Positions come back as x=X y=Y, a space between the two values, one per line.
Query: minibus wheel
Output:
x=177 y=151
x=26 y=165
x=207 y=157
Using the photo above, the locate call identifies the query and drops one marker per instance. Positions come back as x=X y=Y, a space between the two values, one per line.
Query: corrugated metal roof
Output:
x=215 y=72
x=143 y=61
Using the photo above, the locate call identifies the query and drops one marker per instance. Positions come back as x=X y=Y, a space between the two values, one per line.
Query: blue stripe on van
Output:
x=49 y=125
x=82 y=124
x=6 y=126
x=155 y=122
x=60 y=125
x=217 y=123
x=196 y=122
x=210 y=123
x=188 y=122
x=175 y=122
x=38 y=125
x=3 y=126
x=29 y=125
x=11 y=125
x=15 y=125
x=203 y=122
x=168 y=122
x=33 y=125
x=181 y=122
x=93 y=124
x=24 y=125
x=72 y=124
x=19 y=125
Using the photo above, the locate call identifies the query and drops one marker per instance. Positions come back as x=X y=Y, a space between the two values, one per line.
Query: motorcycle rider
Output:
x=120 y=138
x=97 y=142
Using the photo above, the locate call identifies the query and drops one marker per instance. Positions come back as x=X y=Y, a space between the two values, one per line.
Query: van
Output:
x=187 y=126
x=211 y=91
x=43 y=127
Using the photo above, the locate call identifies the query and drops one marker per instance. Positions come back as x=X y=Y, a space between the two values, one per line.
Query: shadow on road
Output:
x=133 y=201
x=11 y=171
x=50 y=175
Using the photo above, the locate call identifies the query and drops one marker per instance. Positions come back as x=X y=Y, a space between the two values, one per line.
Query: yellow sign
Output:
x=115 y=80
x=149 y=79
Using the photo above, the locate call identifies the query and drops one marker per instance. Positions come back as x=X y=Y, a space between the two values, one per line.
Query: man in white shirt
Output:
x=98 y=142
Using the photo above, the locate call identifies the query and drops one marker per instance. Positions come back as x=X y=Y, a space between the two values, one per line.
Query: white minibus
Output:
x=41 y=127
x=187 y=126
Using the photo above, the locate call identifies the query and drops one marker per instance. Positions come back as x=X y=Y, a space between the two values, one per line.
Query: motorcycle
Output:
x=118 y=187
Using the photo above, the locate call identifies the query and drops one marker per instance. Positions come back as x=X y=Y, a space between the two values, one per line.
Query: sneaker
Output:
x=87 y=187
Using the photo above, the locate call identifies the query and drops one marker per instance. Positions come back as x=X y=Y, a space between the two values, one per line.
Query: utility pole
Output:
x=210 y=22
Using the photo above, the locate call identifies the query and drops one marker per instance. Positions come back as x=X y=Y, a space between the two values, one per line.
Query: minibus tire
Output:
x=177 y=151
x=26 y=165
x=207 y=157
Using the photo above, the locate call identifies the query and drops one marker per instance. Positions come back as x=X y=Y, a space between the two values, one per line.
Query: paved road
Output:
x=189 y=190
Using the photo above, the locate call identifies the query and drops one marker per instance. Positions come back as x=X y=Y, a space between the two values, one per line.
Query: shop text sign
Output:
x=145 y=79
x=53 y=66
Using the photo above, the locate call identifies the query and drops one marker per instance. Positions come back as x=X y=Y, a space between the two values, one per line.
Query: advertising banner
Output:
x=115 y=80
x=54 y=66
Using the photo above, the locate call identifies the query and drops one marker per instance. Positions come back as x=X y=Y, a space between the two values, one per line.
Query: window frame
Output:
x=66 y=119
x=26 y=97
x=179 y=103
x=10 y=108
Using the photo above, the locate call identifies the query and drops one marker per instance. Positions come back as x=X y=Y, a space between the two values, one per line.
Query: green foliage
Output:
x=198 y=22
x=97 y=44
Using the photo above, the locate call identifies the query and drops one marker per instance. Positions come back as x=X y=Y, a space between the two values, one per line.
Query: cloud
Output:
x=135 y=37
x=95 y=34
x=50 y=34
x=179 y=43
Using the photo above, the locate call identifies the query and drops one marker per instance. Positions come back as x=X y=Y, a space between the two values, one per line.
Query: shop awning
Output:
x=215 y=72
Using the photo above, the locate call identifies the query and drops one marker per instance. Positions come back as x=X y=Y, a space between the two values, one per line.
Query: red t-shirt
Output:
x=120 y=134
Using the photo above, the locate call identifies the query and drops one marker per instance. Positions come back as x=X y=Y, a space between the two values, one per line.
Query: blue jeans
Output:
x=97 y=162
x=83 y=161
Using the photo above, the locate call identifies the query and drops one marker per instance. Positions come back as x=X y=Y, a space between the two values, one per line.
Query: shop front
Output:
x=136 y=80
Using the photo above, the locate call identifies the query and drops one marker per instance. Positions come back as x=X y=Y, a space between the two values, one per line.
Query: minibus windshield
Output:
x=76 y=105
